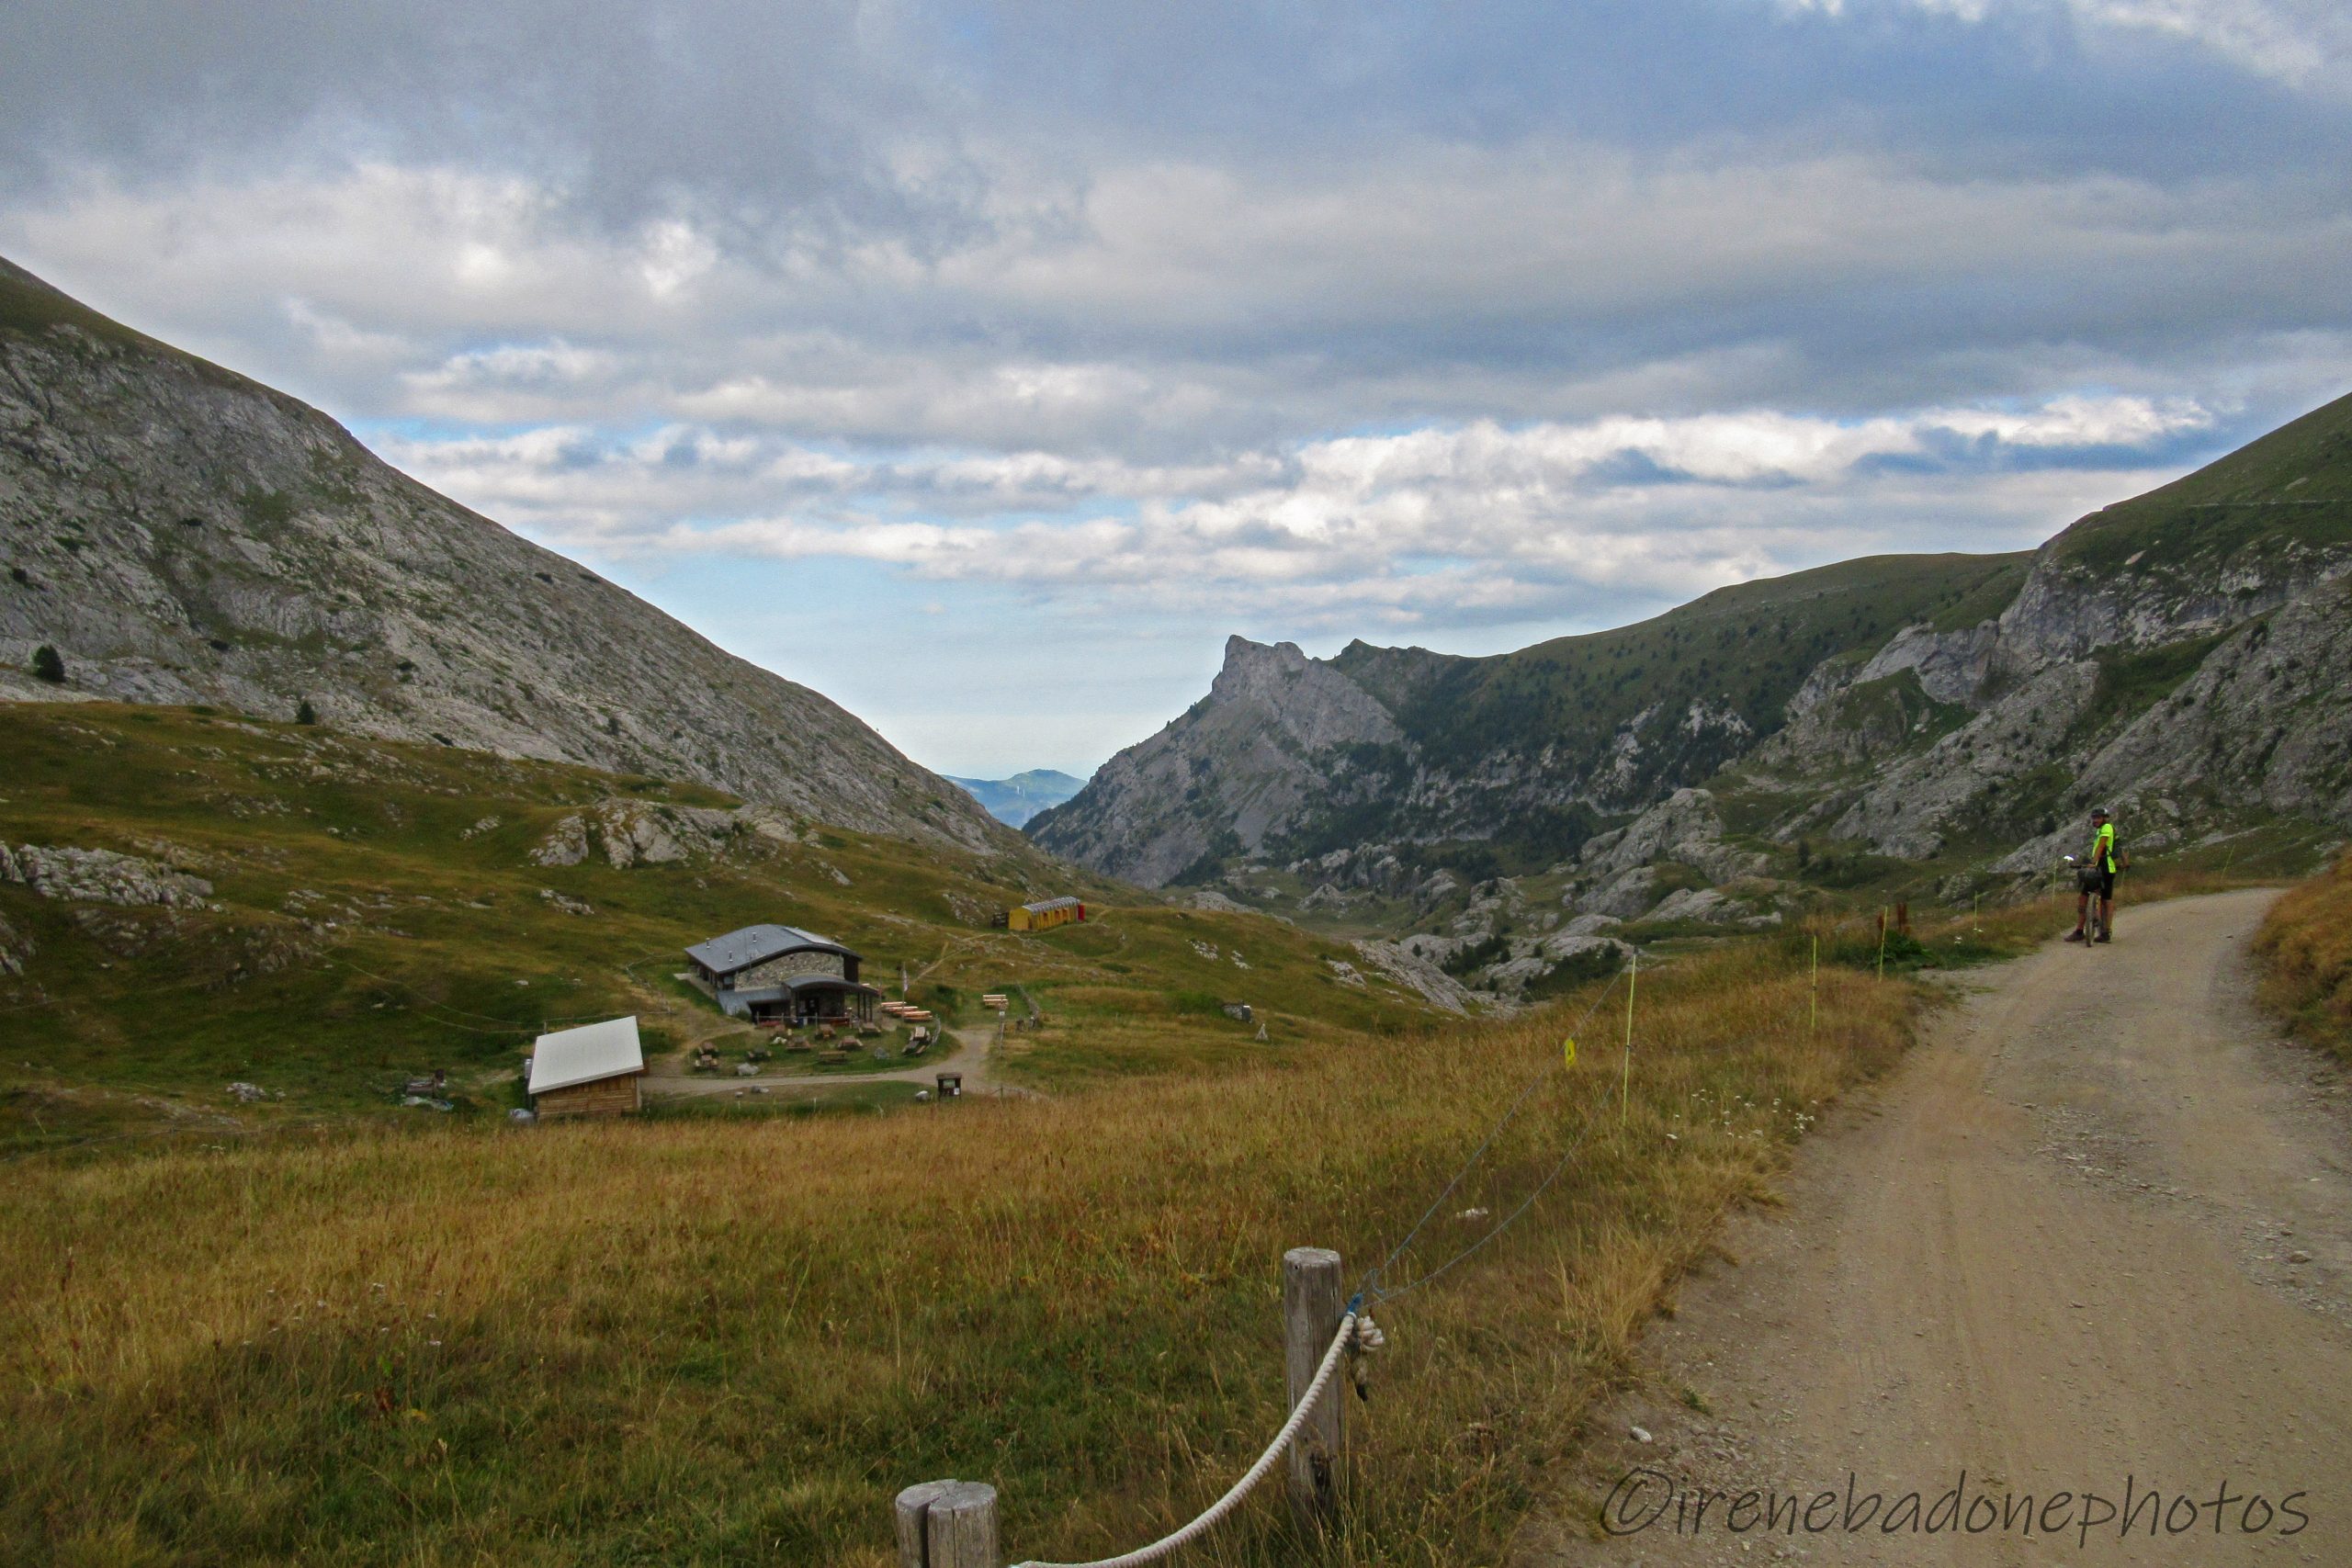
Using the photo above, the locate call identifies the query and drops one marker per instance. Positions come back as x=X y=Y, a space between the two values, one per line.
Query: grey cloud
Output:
x=1020 y=295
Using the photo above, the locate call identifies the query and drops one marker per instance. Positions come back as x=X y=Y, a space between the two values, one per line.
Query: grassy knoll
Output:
x=710 y=1339
x=2305 y=944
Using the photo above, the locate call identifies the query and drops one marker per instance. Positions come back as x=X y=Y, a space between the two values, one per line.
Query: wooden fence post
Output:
x=1313 y=1300
x=947 y=1524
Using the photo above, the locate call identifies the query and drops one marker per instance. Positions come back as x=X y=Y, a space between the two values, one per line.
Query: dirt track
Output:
x=2057 y=1249
x=971 y=1057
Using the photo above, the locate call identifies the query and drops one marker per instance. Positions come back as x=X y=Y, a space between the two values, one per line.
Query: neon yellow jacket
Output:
x=2103 y=848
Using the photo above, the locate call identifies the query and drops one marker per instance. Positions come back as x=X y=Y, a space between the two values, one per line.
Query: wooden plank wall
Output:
x=605 y=1097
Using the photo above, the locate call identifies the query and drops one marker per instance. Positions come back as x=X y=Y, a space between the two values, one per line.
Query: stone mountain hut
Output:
x=782 y=974
x=589 y=1071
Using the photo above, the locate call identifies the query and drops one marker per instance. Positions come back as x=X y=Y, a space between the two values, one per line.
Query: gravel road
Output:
x=2095 y=1234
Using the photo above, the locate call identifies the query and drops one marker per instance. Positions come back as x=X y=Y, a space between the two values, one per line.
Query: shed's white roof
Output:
x=579 y=1055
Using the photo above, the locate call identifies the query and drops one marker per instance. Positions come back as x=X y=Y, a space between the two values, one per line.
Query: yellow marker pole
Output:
x=1569 y=1052
x=1626 y=1084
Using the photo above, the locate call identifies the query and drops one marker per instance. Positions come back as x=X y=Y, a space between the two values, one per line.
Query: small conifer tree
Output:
x=305 y=713
x=47 y=665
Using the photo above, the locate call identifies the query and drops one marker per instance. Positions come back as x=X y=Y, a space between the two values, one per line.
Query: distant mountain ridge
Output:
x=180 y=534
x=2183 y=657
x=1527 y=754
x=1013 y=801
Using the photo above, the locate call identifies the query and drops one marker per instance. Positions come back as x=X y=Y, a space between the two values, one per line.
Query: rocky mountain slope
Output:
x=1475 y=763
x=1935 y=723
x=179 y=533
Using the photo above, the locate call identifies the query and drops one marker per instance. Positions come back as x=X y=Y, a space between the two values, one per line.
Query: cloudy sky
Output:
x=984 y=367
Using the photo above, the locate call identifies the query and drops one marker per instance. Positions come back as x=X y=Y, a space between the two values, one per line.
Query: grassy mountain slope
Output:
x=2290 y=491
x=1739 y=653
x=377 y=912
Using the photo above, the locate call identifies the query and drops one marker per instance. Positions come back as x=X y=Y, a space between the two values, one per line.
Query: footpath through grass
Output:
x=714 y=1340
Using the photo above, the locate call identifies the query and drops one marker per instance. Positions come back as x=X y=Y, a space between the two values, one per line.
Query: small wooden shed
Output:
x=589 y=1071
x=1045 y=915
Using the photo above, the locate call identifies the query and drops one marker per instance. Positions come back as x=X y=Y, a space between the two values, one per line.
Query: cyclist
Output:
x=2098 y=876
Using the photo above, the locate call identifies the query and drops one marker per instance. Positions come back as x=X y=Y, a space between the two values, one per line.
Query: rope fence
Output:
x=953 y=1524
x=1213 y=1514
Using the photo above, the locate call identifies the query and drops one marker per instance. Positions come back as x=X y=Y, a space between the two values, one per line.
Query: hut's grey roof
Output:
x=1067 y=901
x=738 y=1003
x=757 y=944
x=581 y=1056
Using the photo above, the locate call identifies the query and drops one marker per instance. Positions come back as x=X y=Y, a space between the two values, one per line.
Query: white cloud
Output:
x=2305 y=44
x=1438 y=523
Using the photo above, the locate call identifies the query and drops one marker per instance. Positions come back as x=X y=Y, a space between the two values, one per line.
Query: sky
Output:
x=984 y=367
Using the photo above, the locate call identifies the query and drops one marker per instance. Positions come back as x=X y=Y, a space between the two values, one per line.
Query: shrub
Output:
x=47 y=665
x=304 y=713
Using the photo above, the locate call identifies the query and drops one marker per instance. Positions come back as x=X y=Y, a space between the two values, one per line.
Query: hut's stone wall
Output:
x=786 y=966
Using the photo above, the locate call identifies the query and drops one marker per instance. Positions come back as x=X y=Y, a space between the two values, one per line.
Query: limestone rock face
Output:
x=1417 y=972
x=101 y=877
x=1685 y=829
x=182 y=534
x=1273 y=737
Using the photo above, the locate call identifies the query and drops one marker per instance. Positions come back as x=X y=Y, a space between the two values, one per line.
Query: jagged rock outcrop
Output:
x=1274 y=735
x=1684 y=829
x=15 y=949
x=2264 y=724
x=1415 y=973
x=624 y=833
x=101 y=877
x=182 y=534
x=2181 y=656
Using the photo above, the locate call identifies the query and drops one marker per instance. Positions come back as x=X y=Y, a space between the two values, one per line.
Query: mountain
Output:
x=1523 y=755
x=1015 y=800
x=179 y=533
x=1929 y=722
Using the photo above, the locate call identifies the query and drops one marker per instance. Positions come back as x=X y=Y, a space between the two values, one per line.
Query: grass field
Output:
x=377 y=912
x=323 y=1329
x=705 y=1338
x=2306 y=948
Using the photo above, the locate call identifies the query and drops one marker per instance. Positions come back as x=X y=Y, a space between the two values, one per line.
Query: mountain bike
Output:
x=2087 y=886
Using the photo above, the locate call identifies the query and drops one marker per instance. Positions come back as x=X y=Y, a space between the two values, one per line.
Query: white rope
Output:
x=1217 y=1510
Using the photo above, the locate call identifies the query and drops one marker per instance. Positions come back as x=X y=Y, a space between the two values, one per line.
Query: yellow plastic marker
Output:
x=1569 y=1052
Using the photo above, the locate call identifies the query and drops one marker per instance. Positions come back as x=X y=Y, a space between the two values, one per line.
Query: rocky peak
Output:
x=1306 y=699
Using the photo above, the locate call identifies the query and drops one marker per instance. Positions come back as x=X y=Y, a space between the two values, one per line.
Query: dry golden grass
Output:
x=2306 y=947
x=730 y=1343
